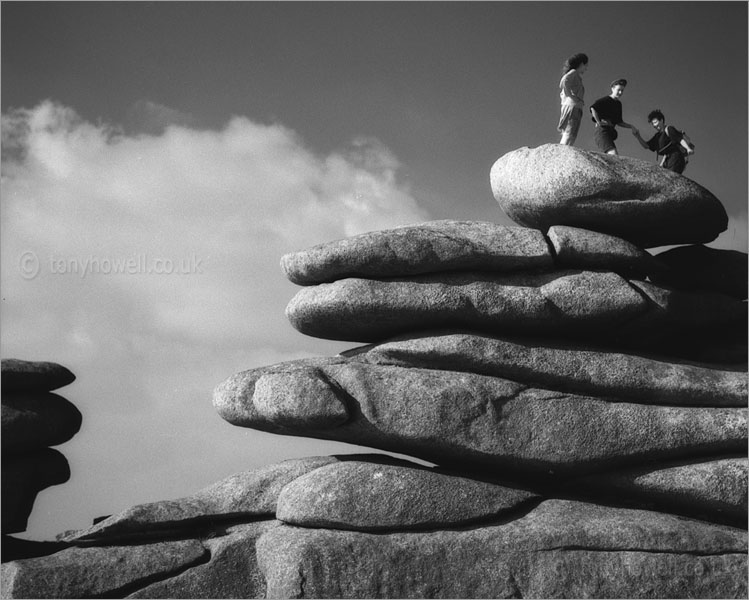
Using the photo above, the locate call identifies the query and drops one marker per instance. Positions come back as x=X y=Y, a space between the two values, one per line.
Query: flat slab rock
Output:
x=617 y=195
x=34 y=420
x=231 y=572
x=709 y=488
x=564 y=367
x=244 y=495
x=449 y=417
x=576 y=304
x=423 y=248
x=33 y=376
x=376 y=496
x=110 y=571
x=698 y=267
x=560 y=549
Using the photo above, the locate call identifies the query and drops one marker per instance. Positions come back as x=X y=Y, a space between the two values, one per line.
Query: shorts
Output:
x=605 y=137
x=570 y=119
x=675 y=162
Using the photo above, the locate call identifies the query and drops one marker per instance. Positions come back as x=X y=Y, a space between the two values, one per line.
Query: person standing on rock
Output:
x=668 y=143
x=571 y=91
x=607 y=115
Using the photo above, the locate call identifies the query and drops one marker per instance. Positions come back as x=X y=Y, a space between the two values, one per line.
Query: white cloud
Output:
x=148 y=348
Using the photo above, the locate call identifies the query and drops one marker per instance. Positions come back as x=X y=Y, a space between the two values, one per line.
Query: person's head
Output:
x=656 y=119
x=617 y=87
x=576 y=61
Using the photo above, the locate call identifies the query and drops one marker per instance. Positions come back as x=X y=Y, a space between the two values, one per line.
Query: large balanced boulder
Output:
x=629 y=198
x=561 y=549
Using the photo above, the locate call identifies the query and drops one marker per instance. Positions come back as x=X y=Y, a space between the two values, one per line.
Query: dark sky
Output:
x=447 y=86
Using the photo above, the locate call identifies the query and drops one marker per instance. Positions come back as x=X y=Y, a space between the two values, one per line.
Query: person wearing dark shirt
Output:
x=668 y=143
x=607 y=115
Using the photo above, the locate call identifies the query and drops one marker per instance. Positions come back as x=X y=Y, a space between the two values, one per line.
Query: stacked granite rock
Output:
x=580 y=428
x=33 y=419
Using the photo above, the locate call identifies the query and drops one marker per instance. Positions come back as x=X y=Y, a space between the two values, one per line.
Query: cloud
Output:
x=150 y=117
x=149 y=265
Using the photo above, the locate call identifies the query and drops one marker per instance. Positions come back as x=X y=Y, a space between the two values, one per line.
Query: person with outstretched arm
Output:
x=607 y=115
x=668 y=143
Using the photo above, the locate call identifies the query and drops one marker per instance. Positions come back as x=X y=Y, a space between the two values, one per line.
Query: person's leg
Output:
x=574 y=125
x=565 y=126
x=605 y=137
x=675 y=162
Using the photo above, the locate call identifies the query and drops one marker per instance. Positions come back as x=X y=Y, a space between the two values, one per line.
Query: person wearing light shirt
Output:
x=571 y=92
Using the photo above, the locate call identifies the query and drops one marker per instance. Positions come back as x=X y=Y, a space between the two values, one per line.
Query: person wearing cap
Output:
x=607 y=115
x=668 y=143
x=571 y=92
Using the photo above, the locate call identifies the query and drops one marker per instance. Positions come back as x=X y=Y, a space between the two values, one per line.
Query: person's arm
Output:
x=596 y=117
x=570 y=86
x=686 y=146
x=637 y=135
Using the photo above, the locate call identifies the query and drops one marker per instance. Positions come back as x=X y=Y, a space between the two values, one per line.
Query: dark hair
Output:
x=573 y=62
x=656 y=114
x=621 y=82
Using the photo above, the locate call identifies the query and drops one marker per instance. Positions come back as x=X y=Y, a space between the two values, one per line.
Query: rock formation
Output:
x=33 y=419
x=577 y=407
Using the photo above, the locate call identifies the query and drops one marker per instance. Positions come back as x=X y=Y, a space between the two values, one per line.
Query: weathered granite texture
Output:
x=710 y=489
x=559 y=549
x=582 y=305
x=425 y=248
x=621 y=196
x=563 y=366
x=451 y=417
x=371 y=496
x=247 y=495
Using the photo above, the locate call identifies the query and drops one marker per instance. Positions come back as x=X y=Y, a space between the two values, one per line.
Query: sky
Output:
x=160 y=157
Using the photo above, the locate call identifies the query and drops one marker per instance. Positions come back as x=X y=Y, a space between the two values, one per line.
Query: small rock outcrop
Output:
x=575 y=408
x=33 y=419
